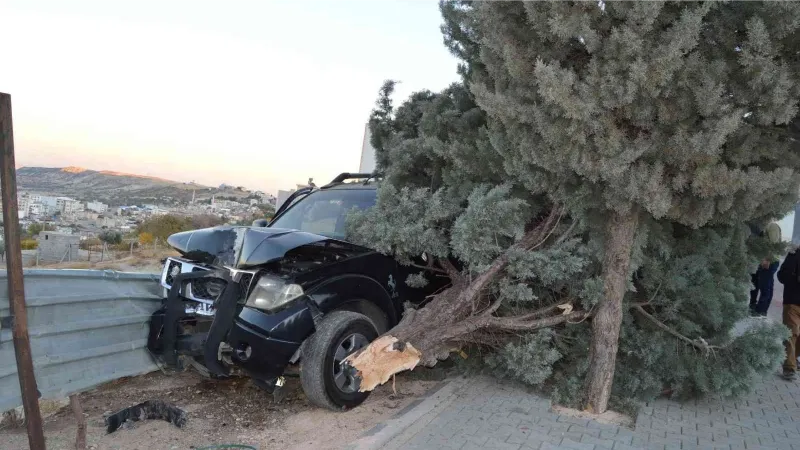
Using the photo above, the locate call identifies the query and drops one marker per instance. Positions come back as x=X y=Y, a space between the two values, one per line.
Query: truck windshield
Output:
x=325 y=212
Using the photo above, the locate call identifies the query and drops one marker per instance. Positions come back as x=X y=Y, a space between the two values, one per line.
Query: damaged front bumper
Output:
x=229 y=335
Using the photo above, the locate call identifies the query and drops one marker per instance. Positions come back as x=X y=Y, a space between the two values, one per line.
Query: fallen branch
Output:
x=699 y=343
x=429 y=268
x=450 y=269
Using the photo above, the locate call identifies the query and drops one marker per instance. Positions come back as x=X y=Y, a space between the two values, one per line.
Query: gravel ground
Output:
x=229 y=411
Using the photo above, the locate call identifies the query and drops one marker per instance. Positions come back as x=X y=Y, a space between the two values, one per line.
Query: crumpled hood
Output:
x=239 y=247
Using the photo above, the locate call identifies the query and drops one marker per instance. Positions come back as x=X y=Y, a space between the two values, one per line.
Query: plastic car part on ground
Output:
x=150 y=409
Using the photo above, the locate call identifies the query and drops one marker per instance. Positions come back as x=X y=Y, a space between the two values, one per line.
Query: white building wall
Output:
x=97 y=207
x=367 y=153
x=282 y=197
x=796 y=227
x=23 y=207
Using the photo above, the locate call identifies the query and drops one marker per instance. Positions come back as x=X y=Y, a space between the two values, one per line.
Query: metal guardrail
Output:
x=86 y=327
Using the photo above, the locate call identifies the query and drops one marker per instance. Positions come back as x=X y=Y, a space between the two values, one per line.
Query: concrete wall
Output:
x=53 y=246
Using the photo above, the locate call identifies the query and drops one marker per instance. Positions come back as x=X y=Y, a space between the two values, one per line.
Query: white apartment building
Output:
x=23 y=206
x=97 y=207
x=68 y=205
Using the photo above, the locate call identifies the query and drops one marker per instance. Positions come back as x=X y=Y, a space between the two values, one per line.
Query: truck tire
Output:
x=324 y=382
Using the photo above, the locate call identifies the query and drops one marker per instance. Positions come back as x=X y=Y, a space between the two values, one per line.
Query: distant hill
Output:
x=114 y=188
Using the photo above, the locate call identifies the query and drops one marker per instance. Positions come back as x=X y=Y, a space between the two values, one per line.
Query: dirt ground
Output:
x=229 y=411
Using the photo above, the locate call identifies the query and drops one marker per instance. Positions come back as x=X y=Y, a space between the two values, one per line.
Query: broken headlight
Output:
x=271 y=293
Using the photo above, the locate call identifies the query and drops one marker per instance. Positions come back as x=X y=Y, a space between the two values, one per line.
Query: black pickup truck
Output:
x=256 y=300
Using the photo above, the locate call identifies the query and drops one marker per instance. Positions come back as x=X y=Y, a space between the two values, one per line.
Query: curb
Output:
x=411 y=418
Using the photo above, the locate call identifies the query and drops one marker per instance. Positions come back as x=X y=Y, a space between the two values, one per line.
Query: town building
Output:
x=97 y=207
x=283 y=195
x=68 y=206
x=57 y=247
x=367 y=164
x=23 y=206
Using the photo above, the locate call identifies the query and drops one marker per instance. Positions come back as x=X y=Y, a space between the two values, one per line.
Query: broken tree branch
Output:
x=428 y=267
x=449 y=268
x=477 y=323
x=539 y=312
x=532 y=239
x=513 y=324
x=493 y=307
x=699 y=343
x=564 y=236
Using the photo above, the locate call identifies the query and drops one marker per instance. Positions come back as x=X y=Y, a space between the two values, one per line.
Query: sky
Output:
x=264 y=94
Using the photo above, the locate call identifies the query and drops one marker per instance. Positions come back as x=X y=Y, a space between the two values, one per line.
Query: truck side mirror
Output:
x=260 y=223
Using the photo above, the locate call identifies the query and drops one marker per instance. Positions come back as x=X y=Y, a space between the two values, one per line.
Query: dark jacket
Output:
x=789 y=276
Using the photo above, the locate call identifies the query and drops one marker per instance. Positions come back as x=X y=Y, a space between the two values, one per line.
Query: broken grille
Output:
x=170 y=278
x=207 y=288
x=244 y=283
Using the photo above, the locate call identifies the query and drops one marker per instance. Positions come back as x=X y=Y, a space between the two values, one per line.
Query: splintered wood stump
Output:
x=380 y=360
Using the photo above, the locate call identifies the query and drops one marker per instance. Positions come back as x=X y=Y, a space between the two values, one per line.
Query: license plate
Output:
x=200 y=308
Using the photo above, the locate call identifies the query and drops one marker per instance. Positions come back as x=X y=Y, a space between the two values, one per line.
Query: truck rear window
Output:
x=325 y=212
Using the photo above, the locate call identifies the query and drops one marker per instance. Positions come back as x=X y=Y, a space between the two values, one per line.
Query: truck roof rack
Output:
x=351 y=176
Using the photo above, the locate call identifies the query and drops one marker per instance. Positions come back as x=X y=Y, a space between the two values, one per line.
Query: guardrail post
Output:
x=16 y=286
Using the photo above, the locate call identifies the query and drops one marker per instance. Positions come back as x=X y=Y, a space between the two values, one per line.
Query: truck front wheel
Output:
x=324 y=380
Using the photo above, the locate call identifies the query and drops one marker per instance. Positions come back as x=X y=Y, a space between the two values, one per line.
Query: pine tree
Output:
x=630 y=111
x=596 y=168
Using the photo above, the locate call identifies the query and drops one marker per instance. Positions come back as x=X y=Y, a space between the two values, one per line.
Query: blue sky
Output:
x=260 y=93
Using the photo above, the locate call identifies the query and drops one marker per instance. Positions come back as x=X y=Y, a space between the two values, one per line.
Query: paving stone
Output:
x=496 y=444
x=574 y=420
x=582 y=429
x=525 y=436
x=573 y=445
x=598 y=443
x=622 y=446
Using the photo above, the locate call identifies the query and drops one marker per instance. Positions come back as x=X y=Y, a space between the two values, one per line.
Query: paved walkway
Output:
x=489 y=414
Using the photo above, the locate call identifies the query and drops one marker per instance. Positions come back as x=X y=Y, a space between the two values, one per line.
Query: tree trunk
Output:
x=607 y=319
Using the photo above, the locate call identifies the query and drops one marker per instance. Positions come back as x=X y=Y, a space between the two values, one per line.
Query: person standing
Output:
x=764 y=284
x=763 y=279
x=789 y=276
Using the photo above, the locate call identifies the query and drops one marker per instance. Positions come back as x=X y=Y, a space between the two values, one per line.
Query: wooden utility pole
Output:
x=77 y=410
x=16 y=286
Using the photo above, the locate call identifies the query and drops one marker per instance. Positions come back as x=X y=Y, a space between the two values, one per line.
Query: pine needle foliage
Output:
x=684 y=112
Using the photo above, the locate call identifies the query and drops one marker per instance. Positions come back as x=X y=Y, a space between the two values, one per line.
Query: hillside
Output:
x=114 y=188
